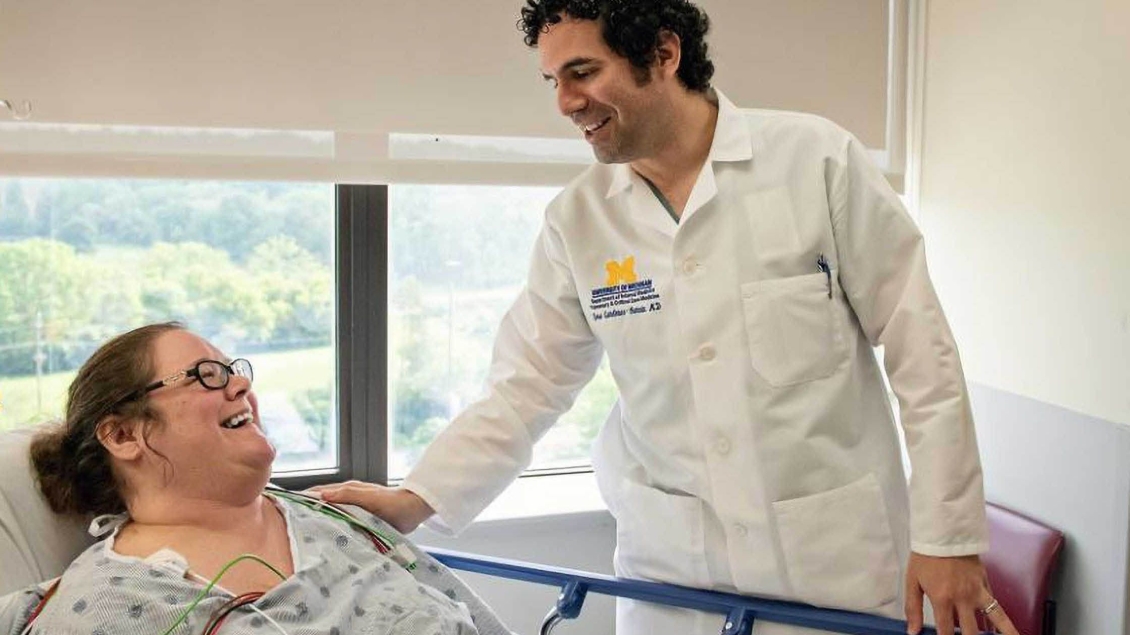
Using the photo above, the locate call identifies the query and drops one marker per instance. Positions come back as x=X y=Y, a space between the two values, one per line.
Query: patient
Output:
x=162 y=440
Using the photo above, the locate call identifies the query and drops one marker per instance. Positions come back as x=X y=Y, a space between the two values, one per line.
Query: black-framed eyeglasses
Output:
x=212 y=374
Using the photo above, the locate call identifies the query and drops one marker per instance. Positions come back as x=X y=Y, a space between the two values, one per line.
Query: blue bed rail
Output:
x=740 y=611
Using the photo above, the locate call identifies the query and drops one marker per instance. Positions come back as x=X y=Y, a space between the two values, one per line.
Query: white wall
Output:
x=1071 y=472
x=1026 y=211
x=1024 y=197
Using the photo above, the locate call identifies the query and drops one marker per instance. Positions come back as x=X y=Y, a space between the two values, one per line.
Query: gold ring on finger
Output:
x=994 y=605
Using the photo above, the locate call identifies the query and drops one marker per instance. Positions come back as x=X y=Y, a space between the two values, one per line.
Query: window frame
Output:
x=360 y=341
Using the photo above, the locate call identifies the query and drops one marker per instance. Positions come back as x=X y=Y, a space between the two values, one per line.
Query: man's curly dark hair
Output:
x=631 y=28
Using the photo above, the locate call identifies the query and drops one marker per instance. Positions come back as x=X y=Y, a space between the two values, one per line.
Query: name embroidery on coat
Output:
x=623 y=292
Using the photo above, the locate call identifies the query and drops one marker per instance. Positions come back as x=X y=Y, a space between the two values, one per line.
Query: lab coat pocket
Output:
x=838 y=547
x=659 y=535
x=795 y=329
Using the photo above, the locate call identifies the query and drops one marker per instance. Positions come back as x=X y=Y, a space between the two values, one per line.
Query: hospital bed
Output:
x=35 y=545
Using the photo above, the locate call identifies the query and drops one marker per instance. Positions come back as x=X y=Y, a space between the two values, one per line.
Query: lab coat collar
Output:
x=732 y=142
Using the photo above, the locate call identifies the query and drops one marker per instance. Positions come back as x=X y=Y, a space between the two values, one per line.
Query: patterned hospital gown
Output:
x=341 y=585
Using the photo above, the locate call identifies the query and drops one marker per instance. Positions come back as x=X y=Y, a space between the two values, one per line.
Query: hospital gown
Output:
x=341 y=585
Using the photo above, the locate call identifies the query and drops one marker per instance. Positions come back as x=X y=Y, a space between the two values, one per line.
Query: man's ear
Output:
x=668 y=53
x=121 y=437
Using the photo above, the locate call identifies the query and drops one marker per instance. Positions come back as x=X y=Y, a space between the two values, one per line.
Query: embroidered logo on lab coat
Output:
x=623 y=292
x=620 y=272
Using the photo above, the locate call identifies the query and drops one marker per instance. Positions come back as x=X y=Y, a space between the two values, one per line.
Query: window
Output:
x=369 y=319
x=250 y=266
x=458 y=259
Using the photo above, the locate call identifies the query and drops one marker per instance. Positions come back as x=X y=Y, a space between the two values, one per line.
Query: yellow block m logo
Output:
x=620 y=272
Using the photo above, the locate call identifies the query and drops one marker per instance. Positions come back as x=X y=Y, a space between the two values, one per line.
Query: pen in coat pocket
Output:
x=822 y=264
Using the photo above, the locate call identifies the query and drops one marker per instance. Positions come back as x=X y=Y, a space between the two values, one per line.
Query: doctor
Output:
x=738 y=267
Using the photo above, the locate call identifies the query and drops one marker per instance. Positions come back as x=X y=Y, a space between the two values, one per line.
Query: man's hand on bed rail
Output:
x=399 y=507
x=956 y=586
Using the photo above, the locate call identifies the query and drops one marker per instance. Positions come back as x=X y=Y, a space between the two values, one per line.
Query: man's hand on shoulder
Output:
x=399 y=507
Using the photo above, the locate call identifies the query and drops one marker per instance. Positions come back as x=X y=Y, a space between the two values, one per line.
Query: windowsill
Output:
x=542 y=497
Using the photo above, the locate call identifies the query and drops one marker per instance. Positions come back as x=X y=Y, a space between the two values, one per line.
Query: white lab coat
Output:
x=753 y=448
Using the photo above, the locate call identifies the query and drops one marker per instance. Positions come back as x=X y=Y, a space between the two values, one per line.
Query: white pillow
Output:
x=35 y=543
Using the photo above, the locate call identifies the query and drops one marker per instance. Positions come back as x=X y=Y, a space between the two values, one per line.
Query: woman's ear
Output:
x=121 y=437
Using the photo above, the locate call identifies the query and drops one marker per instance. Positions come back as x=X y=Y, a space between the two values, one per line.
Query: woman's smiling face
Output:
x=212 y=439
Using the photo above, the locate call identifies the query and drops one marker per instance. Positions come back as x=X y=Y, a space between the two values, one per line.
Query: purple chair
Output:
x=1023 y=554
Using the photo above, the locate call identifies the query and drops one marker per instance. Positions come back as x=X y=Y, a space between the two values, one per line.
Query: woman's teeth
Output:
x=238 y=420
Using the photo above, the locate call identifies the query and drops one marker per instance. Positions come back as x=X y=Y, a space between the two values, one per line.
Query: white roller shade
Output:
x=362 y=69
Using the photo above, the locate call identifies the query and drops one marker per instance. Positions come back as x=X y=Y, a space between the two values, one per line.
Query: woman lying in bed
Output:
x=162 y=441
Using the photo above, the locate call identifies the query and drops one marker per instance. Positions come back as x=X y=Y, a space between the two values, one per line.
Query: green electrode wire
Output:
x=331 y=511
x=212 y=583
x=301 y=500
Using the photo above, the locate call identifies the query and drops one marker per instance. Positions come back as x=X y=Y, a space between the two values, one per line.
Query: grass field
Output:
x=26 y=401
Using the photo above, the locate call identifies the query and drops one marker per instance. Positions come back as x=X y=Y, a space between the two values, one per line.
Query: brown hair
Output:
x=71 y=465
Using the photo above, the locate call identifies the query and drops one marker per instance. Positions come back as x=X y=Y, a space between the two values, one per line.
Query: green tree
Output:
x=307 y=216
x=46 y=298
x=414 y=378
x=202 y=286
x=298 y=288
x=315 y=406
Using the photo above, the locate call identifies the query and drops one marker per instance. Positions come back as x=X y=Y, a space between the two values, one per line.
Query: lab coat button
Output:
x=706 y=353
x=741 y=530
x=722 y=446
x=690 y=266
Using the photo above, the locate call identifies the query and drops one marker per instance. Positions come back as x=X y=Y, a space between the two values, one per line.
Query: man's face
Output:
x=619 y=110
